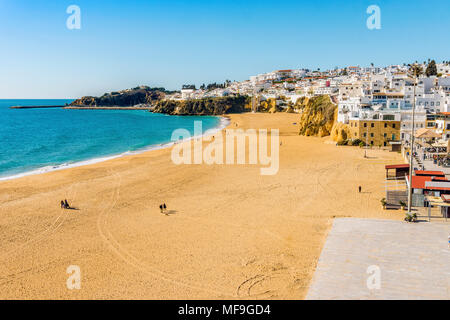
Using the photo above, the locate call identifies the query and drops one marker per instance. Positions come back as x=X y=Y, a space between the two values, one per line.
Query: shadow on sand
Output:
x=168 y=212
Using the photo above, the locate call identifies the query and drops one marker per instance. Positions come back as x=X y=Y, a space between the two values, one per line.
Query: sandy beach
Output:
x=231 y=233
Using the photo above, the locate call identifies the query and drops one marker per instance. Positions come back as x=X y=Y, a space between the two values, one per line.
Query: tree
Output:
x=431 y=69
x=416 y=70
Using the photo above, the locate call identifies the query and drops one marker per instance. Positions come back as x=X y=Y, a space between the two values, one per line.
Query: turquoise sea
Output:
x=40 y=140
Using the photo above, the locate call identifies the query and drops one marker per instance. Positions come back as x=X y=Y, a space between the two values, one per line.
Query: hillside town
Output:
x=375 y=102
x=377 y=106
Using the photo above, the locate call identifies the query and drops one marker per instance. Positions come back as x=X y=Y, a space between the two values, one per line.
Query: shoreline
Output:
x=223 y=123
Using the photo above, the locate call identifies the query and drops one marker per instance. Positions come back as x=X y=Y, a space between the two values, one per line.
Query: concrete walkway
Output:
x=412 y=261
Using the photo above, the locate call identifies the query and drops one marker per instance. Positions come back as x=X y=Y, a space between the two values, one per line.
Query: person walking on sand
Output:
x=359 y=189
x=161 y=208
x=164 y=207
x=63 y=205
x=66 y=204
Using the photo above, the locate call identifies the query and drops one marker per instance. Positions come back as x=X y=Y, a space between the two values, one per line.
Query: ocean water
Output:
x=40 y=140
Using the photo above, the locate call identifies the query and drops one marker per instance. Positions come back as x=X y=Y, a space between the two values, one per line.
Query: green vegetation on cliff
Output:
x=124 y=98
x=206 y=106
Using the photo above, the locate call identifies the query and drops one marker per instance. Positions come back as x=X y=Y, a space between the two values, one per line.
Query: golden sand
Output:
x=231 y=232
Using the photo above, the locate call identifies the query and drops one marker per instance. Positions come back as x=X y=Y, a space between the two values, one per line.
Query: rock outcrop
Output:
x=318 y=117
x=125 y=98
x=206 y=106
x=269 y=105
x=340 y=133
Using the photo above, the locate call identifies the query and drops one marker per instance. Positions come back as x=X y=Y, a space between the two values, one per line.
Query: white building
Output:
x=349 y=108
x=186 y=93
x=443 y=68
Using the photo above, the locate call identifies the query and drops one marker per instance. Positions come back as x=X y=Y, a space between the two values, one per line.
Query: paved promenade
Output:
x=413 y=261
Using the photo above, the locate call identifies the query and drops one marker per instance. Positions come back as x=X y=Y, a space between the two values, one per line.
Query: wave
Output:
x=224 y=122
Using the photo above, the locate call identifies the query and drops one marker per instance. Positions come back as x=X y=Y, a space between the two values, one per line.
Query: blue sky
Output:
x=123 y=44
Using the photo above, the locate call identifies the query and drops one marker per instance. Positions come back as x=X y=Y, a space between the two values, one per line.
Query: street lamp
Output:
x=416 y=71
x=367 y=140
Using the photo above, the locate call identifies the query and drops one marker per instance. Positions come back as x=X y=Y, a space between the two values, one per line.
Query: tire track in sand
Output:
x=57 y=223
x=129 y=258
x=52 y=229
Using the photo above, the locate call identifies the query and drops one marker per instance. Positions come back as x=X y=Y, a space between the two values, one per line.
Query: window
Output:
x=364 y=135
x=365 y=125
x=372 y=125
x=385 y=135
x=371 y=135
x=385 y=125
x=393 y=125
x=371 y=142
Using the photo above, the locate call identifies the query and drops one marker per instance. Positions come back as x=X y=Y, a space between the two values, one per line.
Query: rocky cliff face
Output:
x=124 y=98
x=207 y=106
x=318 y=116
x=269 y=105
x=340 y=133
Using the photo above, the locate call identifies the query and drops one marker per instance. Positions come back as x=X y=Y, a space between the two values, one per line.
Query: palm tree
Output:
x=416 y=70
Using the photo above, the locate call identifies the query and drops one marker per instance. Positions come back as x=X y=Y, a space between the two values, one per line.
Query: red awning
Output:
x=438 y=188
x=418 y=182
x=440 y=179
x=429 y=173
x=397 y=166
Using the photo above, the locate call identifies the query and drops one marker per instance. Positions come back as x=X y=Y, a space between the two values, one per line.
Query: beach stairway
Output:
x=393 y=197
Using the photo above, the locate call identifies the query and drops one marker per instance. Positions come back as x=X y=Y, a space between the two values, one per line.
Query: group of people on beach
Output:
x=163 y=208
x=65 y=204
